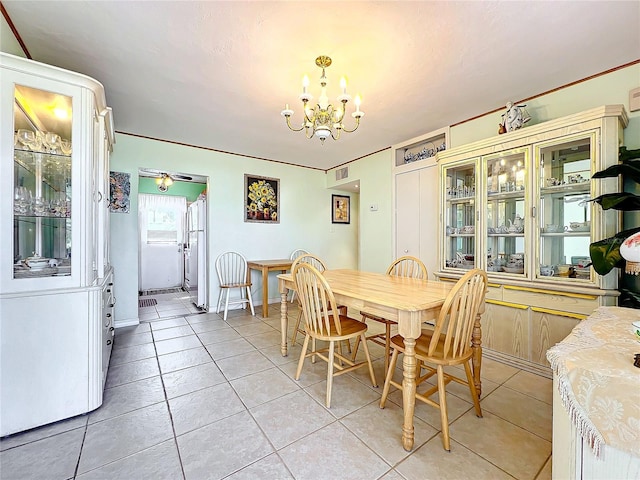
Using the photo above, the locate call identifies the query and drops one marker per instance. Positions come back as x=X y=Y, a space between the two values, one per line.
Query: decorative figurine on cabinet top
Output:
x=514 y=118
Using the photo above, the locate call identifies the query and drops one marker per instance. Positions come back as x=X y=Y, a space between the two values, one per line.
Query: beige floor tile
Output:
x=169 y=323
x=220 y=335
x=229 y=349
x=521 y=410
x=187 y=380
x=127 y=398
x=160 y=462
x=174 y=332
x=311 y=372
x=223 y=447
x=270 y=467
x=381 y=430
x=262 y=387
x=208 y=326
x=533 y=385
x=203 y=317
x=132 y=339
x=432 y=462
x=45 y=431
x=511 y=448
x=183 y=359
x=274 y=353
x=253 y=329
x=132 y=354
x=545 y=473
x=392 y=475
x=263 y=340
x=495 y=371
x=348 y=395
x=290 y=418
x=52 y=457
x=245 y=364
x=118 y=437
x=333 y=452
x=176 y=344
x=200 y=408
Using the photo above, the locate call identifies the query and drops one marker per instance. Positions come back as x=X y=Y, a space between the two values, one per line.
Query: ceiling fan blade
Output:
x=181 y=177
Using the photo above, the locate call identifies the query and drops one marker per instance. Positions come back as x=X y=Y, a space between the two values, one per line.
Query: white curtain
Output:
x=148 y=202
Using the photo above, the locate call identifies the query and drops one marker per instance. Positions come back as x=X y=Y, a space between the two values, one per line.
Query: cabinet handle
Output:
x=108 y=290
x=110 y=284
x=533 y=212
x=111 y=329
x=111 y=305
x=108 y=342
x=99 y=197
x=108 y=315
x=406 y=251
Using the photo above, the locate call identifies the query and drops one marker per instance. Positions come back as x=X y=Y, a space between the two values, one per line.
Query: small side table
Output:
x=266 y=266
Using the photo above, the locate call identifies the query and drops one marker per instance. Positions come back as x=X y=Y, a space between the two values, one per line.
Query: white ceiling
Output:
x=217 y=74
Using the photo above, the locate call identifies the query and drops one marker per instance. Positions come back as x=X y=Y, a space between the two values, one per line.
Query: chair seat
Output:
x=350 y=328
x=422 y=349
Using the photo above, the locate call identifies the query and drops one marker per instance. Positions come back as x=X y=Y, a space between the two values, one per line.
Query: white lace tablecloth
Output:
x=598 y=383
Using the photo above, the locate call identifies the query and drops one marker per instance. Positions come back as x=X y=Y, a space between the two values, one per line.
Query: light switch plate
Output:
x=634 y=100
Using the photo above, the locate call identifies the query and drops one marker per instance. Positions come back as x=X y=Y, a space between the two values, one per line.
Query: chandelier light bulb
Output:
x=343 y=85
x=305 y=84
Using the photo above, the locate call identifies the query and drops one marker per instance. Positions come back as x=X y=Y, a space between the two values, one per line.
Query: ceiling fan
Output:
x=163 y=179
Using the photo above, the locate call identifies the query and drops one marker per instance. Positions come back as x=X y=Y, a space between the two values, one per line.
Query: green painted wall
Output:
x=191 y=190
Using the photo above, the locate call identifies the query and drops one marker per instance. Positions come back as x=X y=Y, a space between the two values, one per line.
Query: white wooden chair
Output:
x=448 y=344
x=324 y=323
x=406 y=266
x=232 y=274
x=294 y=255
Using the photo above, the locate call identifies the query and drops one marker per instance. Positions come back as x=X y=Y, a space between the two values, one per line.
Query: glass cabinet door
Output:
x=459 y=215
x=42 y=184
x=506 y=190
x=564 y=211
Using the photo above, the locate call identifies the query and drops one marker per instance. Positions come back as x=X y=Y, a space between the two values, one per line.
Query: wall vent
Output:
x=342 y=173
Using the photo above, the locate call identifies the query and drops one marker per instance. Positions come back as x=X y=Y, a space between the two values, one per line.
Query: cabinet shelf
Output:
x=560 y=190
x=505 y=195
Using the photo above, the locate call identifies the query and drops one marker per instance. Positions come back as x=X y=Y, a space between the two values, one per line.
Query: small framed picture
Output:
x=340 y=209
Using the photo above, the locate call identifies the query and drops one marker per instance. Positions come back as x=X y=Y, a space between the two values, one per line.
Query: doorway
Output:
x=164 y=200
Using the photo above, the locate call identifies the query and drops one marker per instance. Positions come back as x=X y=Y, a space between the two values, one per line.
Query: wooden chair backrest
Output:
x=296 y=253
x=311 y=260
x=408 y=266
x=458 y=313
x=231 y=268
x=316 y=299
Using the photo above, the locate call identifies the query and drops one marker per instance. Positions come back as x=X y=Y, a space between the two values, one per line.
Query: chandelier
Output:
x=324 y=120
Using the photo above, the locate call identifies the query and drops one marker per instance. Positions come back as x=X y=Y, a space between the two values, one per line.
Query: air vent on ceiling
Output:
x=342 y=173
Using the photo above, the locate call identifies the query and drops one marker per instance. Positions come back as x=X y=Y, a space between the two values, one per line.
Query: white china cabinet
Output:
x=415 y=190
x=56 y=283
x=516 y=205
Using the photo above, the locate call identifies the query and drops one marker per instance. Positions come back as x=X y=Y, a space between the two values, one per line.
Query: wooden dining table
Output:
x=408 y=301
x=266 y=266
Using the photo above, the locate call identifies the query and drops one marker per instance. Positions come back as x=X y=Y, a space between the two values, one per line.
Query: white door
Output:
x=408 y=214
x=161 y=220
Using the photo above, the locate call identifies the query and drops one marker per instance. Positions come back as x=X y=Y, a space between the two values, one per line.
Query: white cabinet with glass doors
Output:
x=56 y=135
x=517 y=205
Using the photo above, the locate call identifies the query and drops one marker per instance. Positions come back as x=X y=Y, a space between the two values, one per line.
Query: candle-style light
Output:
x=324 y=120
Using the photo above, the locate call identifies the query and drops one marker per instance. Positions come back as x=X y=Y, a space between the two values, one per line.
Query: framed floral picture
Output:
x=119 y=191
x=340 y=209
x=262 y=199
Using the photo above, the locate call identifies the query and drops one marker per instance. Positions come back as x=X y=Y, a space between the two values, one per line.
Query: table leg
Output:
x=265 y=292
x=476 y=346
x=408 y=392
x=284 y=321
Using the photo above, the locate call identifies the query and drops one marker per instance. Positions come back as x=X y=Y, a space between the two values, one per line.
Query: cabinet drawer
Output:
x=575 y=303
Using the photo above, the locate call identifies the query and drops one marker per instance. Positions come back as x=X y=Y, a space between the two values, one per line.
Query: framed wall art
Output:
x=261 y=199
x=340 y=209
x=119 y=191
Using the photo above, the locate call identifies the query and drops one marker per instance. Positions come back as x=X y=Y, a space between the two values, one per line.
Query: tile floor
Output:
x=194 y=397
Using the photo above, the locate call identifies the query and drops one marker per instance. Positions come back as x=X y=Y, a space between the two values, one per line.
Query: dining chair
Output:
x=320 y=266
x=324 y=322
x=448 y=344
x=406 y=266
x=295 y=254
x=232 y=273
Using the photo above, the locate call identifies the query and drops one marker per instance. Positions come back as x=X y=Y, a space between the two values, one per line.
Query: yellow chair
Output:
x=448 y=344
x=324 y=323
x=406 y=266
x=320 y=266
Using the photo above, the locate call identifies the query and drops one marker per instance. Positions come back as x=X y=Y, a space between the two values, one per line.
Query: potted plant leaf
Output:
x=605 y=254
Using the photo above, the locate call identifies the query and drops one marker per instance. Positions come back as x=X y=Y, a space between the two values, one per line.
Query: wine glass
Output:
x=27 y=138
x=65 y=146
x=51 y=141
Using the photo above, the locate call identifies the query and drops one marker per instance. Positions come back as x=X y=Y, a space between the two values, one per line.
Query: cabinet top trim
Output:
x=523 y=135
x=31 y=67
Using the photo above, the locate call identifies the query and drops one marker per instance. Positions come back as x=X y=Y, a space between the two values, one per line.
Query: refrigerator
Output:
x=195 y=254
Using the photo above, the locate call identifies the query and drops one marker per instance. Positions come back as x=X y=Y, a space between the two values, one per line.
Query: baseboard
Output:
x=129 y=322
x=526 y=365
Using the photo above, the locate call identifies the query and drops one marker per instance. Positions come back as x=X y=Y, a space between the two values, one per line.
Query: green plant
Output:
x=605 y=254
